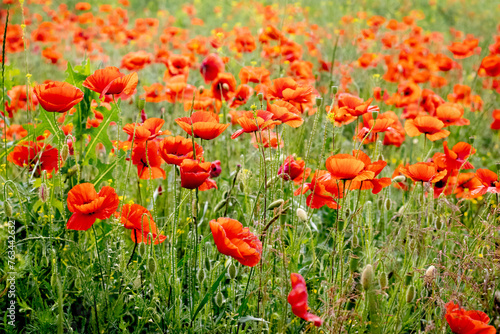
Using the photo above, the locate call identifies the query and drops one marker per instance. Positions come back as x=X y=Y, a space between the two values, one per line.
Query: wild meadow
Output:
x=250 y=166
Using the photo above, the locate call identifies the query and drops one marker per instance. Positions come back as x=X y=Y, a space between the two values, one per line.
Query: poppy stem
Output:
x=100 y=266
x=133 y=250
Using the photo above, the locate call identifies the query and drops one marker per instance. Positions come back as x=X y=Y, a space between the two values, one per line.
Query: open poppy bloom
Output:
x=241 y=96
x=467 y=322
x=149 y=130
x=223 y=86
x=369 y=128
x=451 y=114
x=194 y=173
x=347 y=167
x=423 y=172
x=57 y=96
x=489 y=182
x=463 y=49
x=254 y=74
x=136 y=60
x=148 y=162
x=456 y=158
x=355 y=105
x=297 y=298
x=33 y=155
x=252 y=122
x=431 y=126
x=289 y=90
x=204 y=124
x=371 y=183
x=294 y=170
x=490 y=66
x=110 y=80
x=138 y=219
x=175 y=149
x=87 y=205
x=232 y=239
x=286 y=113
x=319 y=195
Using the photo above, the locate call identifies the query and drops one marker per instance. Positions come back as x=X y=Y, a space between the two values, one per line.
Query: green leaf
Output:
x=100 y=134
x=78 y=74
x=50 y=122
x=209 y=294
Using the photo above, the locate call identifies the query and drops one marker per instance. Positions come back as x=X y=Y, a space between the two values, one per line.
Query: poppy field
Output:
x=250 y=166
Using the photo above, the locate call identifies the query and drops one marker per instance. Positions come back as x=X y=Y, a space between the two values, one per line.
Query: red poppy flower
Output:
x=269 y=139
x=252 y=122
x=467 y=322
x=289 y=90
x=490 y=66
x=489 y=182
x=423 y=172
x=495 y=125
x=254 y=74
x=33 y=155
x=223 y=86
x=215 y=168
x=57 y=96
x=456 y=158
x=297 y=298
x=355 y=105
x=211 y=67
x=175 y=149
x=136 y=60
x=319 y=196
x=294 y=170
x=110 y=80
x=87 y=205
x=463 y=49
x=347 y=167
x=281 y=112
x=138 y=219
x=234 y=240
x=148 y=164
x=451 y=114
x=149 y=130
x=205 y=125
x=241 y=96
x=431 y=126
x=376 y=185
x=194 y=173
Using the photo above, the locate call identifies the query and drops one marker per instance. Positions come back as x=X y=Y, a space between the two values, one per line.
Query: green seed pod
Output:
x=151 y=265
x=367 y=277
x=302 y=215
x=355 y=241
x=334 y=89
x=7 y=208
x=64 y=154
x=408 y=278
x=208 y=266
x=410 y=293
x=141 y=249
x=201 y=275
x=275 y=204
x=219 y=299
x=388 y=204
x=43 y=192
x=319 y=101
x=140 y=103
x=260 y=96
x=383 y=281
x=232 y=271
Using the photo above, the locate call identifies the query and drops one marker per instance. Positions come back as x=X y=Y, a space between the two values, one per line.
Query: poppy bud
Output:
x=275 y=204
x=319 y=101
x=429 y=276
x=151 y=266
x=399 y=178
x=64 y=154
x=232 y=271
x=140 y=103
x=225 y=86
x=335 y=89
x=271 y=181
x=220 y=205
x=260 y=96
x=208 y=265
x=383 y=281
x=410 y=293
x=388 y=204
x=7 y=207
x=201 y=275
x=141 y=249
x=144 y=117
x=219 y=299
x=215 y=169
x=472 y=139
x=355 y=241
x=302 y=215
x=367 y=277
x=43 y=193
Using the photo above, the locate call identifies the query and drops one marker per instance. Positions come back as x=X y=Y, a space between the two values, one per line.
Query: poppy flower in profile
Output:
x=134 y=61
x=232 y=239
x=215 y=168
x=355 y=105
x=467 y=322
x=490 y=66
x=148 y=162
x=138 y=219
x=339 y=116
x=431 y=126
x=252 y=122
x=463 y=49
x=204 y=124
x=241 y=96
x=489 y=182
x=451 y=114
x=495 y=125
x=110 y=80
x=289 y=90
x=175 y=149
x=57 y=96
x=254 y=74
x=294 y=170
x=211 y=66
x=319 y=195
x=88 y=205
x=423 y=172
x=147 y=131
x=194 y=173
x=345 y=167
x=457 y=157
x=37 y=155
x=281 y=111
x=297 y=298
